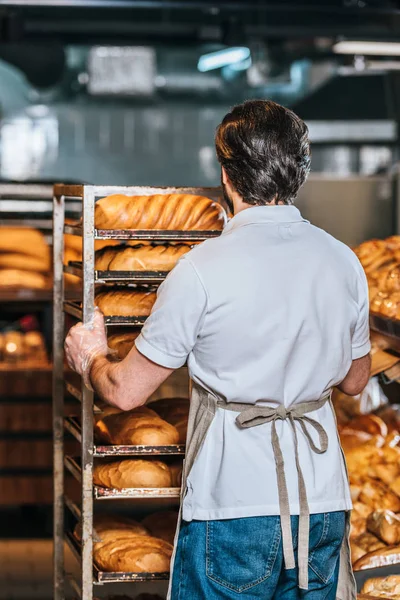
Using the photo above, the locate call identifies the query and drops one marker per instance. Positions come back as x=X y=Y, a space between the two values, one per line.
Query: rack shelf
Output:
x=102 y=493
x=82 y=430
x=100 y=451
x=73 y=308
x=101 y=577
x=75 y=268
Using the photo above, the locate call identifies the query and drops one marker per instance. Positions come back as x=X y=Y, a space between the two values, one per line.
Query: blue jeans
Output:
x=242 y=559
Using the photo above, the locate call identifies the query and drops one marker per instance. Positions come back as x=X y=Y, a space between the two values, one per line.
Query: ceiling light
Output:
x=368 y=48
x=222 y=58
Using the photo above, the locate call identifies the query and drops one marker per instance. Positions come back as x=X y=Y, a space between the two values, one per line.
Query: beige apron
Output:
x=203 y=407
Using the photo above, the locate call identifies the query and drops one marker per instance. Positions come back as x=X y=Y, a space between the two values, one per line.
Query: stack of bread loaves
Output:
x=125 y=545
x=373 y=462
x=24 y=258
x=381 y=262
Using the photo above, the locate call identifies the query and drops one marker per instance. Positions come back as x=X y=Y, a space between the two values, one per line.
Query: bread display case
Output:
x=130 y=461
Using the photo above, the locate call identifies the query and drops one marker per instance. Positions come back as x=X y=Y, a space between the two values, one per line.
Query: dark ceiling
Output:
x=223 y=20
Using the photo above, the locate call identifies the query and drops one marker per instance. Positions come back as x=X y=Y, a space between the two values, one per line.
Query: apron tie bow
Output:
x=253 y=415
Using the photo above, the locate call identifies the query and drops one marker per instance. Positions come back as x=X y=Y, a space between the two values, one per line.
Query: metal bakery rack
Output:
x=82 y=429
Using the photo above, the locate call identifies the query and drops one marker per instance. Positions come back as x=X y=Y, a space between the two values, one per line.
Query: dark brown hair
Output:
x=265 y=151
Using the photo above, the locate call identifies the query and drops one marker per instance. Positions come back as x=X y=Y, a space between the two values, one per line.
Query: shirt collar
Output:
x=265 y=214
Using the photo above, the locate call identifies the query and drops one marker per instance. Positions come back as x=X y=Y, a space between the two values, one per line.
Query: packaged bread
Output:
x=383 y=587
x=143 y=554
x=125 y=303
x=140 y=426
x=122 y=343
x=134 y=473
x=162 y=525
x=385 y=525
x=140 y=257
x=161 y=211
x=23 y=279
x=383 y=557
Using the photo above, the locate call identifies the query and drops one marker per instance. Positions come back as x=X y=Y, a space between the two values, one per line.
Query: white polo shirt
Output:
x=271 y=312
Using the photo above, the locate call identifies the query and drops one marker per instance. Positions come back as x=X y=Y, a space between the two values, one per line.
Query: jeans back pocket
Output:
x=326 y=536
x=241 y=552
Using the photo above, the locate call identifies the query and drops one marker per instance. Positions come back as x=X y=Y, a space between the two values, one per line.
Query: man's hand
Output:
x=84 y=343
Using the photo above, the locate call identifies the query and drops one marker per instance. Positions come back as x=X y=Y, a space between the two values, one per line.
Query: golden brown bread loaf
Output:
x=378 y=496
x=378 y=558
x=143 y=554
x=369 y=542
x=161 y=211
x=40 y=263
x=385 y=525
x=24 y=240
x=122 y=343
x=383 y=587
x=174 y=411
x=135 y=473
x=23 y=279
x=162 y=525
x=355 y=552
x=111 y=527
x=125 y=303
x=140 y=257
x=140 y=426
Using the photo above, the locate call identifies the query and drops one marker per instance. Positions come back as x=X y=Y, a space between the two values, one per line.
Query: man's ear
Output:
x=225 y=178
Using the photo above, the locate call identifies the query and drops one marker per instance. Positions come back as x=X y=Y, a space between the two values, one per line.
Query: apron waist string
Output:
x=253 y=415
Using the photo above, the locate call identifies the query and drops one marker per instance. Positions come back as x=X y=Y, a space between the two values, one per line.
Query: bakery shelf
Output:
x=362 y=576
x=74 y=309
x=77 y=394
x=73 y=507
x=102 y=493
x=75 y=268
x=73 y=425
x=159 y=235
x=386 y=329
x=101 y=577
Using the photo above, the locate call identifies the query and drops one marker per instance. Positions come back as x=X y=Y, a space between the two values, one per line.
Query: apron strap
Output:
x=253 y=415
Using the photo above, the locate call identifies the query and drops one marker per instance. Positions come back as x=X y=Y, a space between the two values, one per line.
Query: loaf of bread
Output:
x=10 y=260
x=395 y=486
x=356 y=552
x=385 y=525
x=108 y=527
x=161 y=211
x=379 y=558
x=369 y=542
x=141 y=554
x=358 y=526
x=122 y=343
x=162 y=525
x=383 y=587
x=378 y=496
x=24 y=240
x=135 y=473
x=125 y=303
x=140 y=257
x=140 y=426
x=23 y=279
x=174 y=411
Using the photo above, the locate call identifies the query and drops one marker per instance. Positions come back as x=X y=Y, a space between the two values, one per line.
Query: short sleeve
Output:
x=171 y=330
x=360 y=343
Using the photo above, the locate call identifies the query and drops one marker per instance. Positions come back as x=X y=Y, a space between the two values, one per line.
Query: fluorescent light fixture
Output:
x=222 y=58
x=368 y=48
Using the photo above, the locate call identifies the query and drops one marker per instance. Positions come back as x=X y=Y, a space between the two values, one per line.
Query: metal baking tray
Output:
x=384 y=325
x=73 y=507
x=160 y=235
x=75 y=268
x=102 y=493
x=100 y=577
x=73 y=425
x=362 y=576
x=74 y=309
